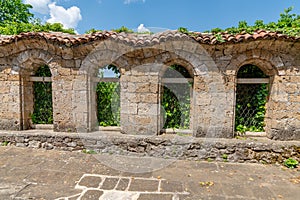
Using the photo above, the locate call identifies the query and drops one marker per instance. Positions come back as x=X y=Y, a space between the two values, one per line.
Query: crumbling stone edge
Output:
x=250 y=150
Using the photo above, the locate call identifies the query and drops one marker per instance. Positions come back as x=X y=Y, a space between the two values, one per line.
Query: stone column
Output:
x=10 y=100
x=27 y=101
x=70 y=100
x=213 y=106
x=283 y=108
x=140 y=109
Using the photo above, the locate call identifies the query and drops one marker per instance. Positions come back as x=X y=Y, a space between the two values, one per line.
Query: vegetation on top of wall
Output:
x=123 y=29
x=288 y=23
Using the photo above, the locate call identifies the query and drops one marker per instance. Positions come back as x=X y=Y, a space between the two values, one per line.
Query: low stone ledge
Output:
x=253 y=150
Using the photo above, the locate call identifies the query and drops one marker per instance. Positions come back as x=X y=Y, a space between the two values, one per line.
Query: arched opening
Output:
x=36 y=97
x=176 y=98
x=108 y=96
x=252 y=92
x=42 y=97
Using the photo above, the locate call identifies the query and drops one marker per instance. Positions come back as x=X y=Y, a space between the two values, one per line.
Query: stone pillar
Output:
x=283 y=108
x=70 y=100
x=140 y=109
x=27 y=101
x=10 y=101
x=213 y=106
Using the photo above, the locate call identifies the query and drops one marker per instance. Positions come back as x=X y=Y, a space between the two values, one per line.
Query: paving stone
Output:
x=123 y=184
x=117 y=195
x=243 y=190
x=143 y=185
x=109 y=183
x=156 y=196
x=171 y=186
x=42 y=191
x=248 y=181
x=46 y=177
x=91 y=195
x=90 y=181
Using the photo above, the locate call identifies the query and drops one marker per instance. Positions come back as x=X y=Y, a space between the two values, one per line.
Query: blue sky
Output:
x=196 y=15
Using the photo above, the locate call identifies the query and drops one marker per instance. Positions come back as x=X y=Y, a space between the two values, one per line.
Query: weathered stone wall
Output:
x=252 y=150
x=10 y=98
x=74 y=61
x=140 y=100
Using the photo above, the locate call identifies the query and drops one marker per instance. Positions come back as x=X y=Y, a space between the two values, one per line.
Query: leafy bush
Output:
x=108 y=104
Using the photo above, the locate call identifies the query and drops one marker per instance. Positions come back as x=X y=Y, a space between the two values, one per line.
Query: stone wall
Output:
x=10 y=97
x=254 y=150
x=141 y=59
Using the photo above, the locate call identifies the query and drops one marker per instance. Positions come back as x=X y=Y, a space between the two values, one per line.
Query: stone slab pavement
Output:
x=27 y=173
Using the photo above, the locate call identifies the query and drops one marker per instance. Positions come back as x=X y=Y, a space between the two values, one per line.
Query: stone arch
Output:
x=25 y=64
x=269 y=63
x=206 y=75
x=29 y=60
x=182 y=63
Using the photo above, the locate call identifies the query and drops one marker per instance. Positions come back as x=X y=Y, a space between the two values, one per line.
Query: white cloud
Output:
x=39 y=6
x=68 y=17
x=133 y=1
x=142 y=29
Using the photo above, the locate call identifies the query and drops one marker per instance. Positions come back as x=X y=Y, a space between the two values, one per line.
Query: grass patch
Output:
x=89 y=151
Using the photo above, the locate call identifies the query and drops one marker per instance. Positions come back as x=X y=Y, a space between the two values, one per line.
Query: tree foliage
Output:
x=14 y=11
x=16 y=18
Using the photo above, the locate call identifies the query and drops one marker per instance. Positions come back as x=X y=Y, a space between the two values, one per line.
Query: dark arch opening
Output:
x=251 y=71
x=252 y=92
